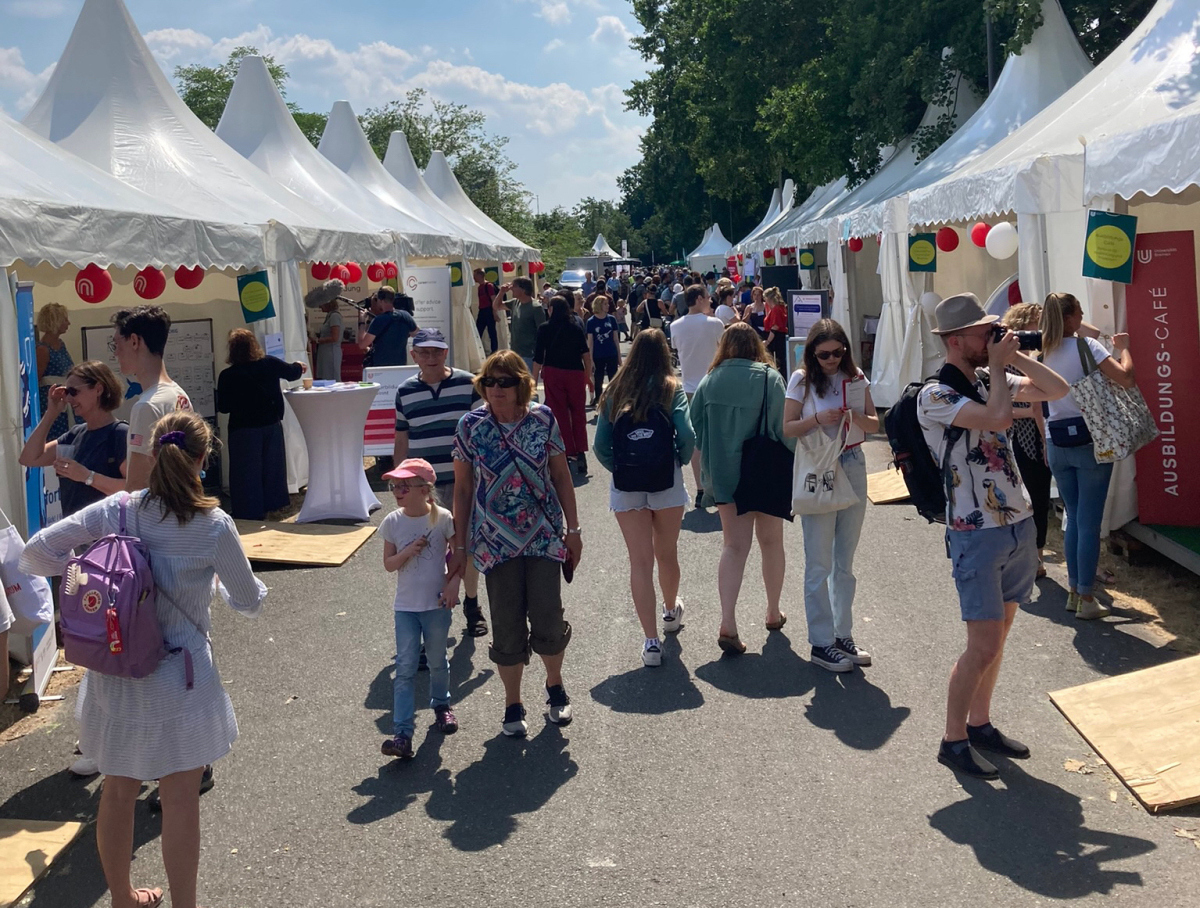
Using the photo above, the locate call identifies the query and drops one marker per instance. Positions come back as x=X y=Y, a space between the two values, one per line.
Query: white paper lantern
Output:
x=1001 y=241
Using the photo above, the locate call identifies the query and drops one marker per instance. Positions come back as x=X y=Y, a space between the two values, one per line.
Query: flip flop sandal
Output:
x=732 y=645
x=777 y=625
x=1107 y=577
x=148 y=898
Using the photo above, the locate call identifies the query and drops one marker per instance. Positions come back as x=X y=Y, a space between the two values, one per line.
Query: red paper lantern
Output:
x=189 y=278
x=855 y=244
x=375 y=272
x=355 y=270
x=319 y=271
x=536 y=267
x=947 y=239
x=1014 y=293
x=341 y=273
x=979 y=234
x=509 y=267
x=390 y=271
x=149 y=283
x=93 y=284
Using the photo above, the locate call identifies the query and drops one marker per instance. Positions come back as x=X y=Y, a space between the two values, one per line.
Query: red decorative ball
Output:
x=947 y=239
x=149 y=283
x=509 y=267
x=341 y=273
x=319 y=271
x=979 y=234
x=1014 y=293
x=390 y=271
x=189 y=278
x=375 y=272
x=855 y=244
x=93 y=284
x=355 y=270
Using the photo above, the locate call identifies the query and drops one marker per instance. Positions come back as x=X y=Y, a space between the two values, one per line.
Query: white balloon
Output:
x=1001 y=241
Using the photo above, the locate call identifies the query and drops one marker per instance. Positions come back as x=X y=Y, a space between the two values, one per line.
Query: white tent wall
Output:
x=864 y=292
x=12 y=427
x=901 y=292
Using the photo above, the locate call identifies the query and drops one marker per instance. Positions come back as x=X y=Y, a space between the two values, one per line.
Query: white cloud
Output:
x=611 y=30
x=555 y=12
x=169 y=44
x=553 y=45
x=16 y=77
x=35 y=9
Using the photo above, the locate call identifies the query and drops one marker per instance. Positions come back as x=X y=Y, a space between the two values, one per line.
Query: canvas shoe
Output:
x=672 y=621
x=651 y=654
x=1072 y=602
x=831 y=658
x=856 y=653
x=962 y=757
x=1089 y=610
x=560 y=705
x=515 y=725
x=84 y=767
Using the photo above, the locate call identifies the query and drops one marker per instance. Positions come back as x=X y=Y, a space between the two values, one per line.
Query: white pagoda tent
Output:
x=601 y=248
x=445 y=186
x=712 y=253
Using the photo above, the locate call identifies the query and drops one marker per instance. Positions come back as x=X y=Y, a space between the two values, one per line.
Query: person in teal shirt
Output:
x=726 y=411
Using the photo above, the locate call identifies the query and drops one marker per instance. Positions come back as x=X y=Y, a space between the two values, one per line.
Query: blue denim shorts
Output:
x=993 y=566
x=674 y=497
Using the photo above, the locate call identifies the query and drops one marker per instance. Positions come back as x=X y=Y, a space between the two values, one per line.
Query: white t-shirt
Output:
x=986 y=490
x=421 y=580
x=831 y=401
x=726 y=314
x=152 y=405
x=696 y=338
x=1065 y=361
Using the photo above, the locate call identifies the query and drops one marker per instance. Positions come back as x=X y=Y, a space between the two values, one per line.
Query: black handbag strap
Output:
x=762 y=420
x=1086 y=359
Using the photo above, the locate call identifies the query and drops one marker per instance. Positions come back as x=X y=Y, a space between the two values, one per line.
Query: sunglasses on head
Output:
x=832 y=354
x=502 y=381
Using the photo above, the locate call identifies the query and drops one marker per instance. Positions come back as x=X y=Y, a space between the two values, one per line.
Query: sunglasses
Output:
x=404 y=486
x=72 y=392
x=504 y=381
x=832 y=354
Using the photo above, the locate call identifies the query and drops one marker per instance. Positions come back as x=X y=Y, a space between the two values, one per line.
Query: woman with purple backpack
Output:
x=171 y=723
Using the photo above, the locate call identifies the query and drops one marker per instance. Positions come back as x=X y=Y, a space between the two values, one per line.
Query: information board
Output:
x=379 y=433
x=430 y=292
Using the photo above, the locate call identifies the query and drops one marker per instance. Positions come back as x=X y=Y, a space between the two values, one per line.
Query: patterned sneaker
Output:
x=857 y=654
x=832 y=658
x=446 y=721
x=651 y=654
x=399 y=746
x=560 y=705
x=672 y=621
x=514 y=721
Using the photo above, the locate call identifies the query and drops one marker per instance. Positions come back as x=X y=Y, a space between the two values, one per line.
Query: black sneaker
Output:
x=207 y=781
x=477 y=625
x=699 y=502
x=962 y=757
x=560 y=705
x=857 y=654
x=581 y=464
x=831 y=658
x=399 y=746
x=514 y=721
x=989 y=737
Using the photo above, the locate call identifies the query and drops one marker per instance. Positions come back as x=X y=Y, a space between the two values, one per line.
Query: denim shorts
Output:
x=674 y=497
x=993 y=566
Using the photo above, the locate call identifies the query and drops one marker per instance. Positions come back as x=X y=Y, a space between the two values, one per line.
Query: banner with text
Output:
x=379 y=433
x=430 y=291
x=1164 y=340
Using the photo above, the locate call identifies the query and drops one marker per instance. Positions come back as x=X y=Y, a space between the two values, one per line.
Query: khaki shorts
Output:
x=525 y=603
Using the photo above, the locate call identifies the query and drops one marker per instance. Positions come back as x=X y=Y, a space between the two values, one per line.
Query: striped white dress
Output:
x=147 y=728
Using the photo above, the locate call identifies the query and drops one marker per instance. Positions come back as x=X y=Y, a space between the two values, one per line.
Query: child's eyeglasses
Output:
x=403 y=486
x=503 y=381
x=831 y=354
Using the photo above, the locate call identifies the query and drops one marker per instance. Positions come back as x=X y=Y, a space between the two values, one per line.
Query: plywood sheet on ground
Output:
x=27 y=849
x=318 y=544
x=886 y=486
x=1146 y=727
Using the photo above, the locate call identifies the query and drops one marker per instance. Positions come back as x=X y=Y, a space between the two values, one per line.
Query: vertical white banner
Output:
x=430 y=291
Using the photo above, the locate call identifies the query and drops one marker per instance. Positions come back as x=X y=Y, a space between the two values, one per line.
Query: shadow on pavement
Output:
x=695 y=521
x=398 y=782
x=652 y=691
x=1032 y=832
x=856 y=711
x=775 y=673
x=515 y=776
x=463 y=683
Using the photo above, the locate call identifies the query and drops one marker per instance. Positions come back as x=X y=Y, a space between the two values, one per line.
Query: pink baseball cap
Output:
x=413 y=468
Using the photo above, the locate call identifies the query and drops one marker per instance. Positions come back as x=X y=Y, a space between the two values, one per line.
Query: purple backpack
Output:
x=109 y=619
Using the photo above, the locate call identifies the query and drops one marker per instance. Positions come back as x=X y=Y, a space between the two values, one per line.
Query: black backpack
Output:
x=644 y=455
x=927 y=481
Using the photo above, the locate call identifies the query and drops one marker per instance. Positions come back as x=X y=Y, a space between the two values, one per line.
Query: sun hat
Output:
x=678 y=288
x=430 y=337
x=413 y=468
x=963 y=310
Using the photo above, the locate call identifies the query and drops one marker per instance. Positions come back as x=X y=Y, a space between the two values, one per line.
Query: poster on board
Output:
x=430 y=292
x=805 y=309
x=379 y=433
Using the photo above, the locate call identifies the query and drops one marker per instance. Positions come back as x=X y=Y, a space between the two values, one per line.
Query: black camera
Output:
x=1028 y=340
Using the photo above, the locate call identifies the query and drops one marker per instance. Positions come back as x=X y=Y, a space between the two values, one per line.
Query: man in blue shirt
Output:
x=387 y=335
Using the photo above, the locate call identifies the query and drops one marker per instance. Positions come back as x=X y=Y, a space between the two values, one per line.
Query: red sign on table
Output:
x=1164 y=339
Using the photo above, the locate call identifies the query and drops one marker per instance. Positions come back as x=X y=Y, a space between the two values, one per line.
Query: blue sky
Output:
x=550 y=74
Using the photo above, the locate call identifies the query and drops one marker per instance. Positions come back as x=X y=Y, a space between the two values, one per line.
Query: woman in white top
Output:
x=816 y=401
x=154 y=727
x=1082 y=483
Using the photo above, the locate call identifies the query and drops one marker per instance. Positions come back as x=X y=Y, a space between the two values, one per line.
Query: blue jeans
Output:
x=434 y=625
x=829 y=544
x=1083 y=485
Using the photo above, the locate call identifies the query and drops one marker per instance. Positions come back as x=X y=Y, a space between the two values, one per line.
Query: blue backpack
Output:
x=644 y=455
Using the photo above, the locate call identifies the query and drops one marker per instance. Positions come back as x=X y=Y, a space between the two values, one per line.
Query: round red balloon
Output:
x=390 y=271
x=947 y=239
x=320 y=271
x=375 y=272
x=509 y=267
x=855 y=244
x=149 y=283
x=93 y=284
x=979 y=234
x=341 y=273
x=355 y=270
x=1014 y=293
x=189 y=278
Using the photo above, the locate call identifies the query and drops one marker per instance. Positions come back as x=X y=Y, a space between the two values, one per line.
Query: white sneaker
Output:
x=83 y=767
x=559 y=705
x=651 y=655
x=1090 y=610
x=672 y=621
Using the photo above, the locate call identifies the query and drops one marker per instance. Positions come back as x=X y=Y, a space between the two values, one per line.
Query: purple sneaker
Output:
x=399 y=746
x=447 y=723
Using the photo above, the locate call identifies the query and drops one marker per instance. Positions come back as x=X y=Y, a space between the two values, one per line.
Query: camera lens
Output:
x=1029 y=340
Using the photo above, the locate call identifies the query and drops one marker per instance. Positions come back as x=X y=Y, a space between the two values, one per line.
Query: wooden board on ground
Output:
x=27 y=849
x=886 y=486
x=1146 y=727
x=319 y=544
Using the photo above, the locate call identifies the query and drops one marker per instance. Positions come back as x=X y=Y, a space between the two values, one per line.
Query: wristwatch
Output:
x=91 y=478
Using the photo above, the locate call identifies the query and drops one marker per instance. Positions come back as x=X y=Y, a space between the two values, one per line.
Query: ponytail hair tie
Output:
x=179 y=439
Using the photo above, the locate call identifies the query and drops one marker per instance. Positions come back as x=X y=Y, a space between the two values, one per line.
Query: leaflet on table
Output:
x=854 y=394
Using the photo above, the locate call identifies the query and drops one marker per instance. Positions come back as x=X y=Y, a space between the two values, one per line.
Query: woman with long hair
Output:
x=563 y=362
x=816 y=401
x=249 y=392
x=776 y=327
x=1082 y=483
x=646 y=396
x=755 y=313
x=726 y=411
x=53 y=360
x=161 y=727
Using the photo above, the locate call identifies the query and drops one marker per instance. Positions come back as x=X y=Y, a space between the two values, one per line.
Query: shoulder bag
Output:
x=819 y=485
x=766 y=470
x=1118 y=419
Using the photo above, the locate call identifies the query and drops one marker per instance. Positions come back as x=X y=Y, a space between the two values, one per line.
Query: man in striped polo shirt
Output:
x=428 y=408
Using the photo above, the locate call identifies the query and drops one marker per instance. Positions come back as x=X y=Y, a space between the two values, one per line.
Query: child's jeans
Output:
x=434 y=624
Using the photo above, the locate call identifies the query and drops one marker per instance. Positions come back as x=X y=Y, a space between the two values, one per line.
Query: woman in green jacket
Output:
x=726 y=410
x=650 y=399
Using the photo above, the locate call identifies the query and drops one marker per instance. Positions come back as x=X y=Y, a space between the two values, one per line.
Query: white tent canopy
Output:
x=819 y=201
x=712 y=253
x=258 y=125
x=445 y=186
x=601 y=247
x=703 y=240
x=773 y=209
x=787 y=201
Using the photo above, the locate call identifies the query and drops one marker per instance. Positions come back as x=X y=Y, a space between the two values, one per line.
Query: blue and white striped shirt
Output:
x=430 y=415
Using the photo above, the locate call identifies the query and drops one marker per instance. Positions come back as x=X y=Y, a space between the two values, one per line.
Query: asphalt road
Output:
x=755 y=781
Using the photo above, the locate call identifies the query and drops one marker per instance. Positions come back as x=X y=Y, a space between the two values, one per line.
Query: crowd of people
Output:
x=483 y=485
